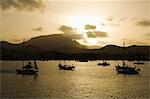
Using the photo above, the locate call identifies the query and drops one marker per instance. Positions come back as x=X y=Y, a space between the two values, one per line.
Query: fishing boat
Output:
x=125 y=69
x=104 y=63
x=28 y=69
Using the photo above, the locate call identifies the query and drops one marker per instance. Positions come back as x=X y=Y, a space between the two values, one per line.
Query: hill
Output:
x=54 y=47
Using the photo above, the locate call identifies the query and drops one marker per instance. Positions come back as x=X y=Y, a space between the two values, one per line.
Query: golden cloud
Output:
x=94 y=34
x=143 y=23
x=69 y=32
x=89 y=27
x=27 y=5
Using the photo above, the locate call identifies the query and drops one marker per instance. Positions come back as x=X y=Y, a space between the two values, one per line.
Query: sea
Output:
x=87 y=81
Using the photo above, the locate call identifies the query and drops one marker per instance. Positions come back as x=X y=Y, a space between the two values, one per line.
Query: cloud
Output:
x=143 y=23
x=69 y=32
x=66 y=29
x=101 y=34
x=20 y=5
x=39 y=29
x=89 y=27
x=94 y=34
x=91 y=34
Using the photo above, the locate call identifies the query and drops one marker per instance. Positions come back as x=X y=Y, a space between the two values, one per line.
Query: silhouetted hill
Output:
x=111 y=49
x=53 y=47
x=45 y=43
x=138 y=49
x=6 y=45
x=56 y=42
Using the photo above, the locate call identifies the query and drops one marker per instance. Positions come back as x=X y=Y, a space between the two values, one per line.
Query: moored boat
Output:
x=125 y=69
x=104 y=64
x=66 y=67
x=28 y=69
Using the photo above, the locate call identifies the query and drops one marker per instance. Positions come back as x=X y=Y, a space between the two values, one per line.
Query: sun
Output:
x=81 y=20
x=78 y=22
x=91 y=41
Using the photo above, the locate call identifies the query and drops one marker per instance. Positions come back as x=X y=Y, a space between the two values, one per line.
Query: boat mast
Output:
x=64 y=54
x=35 y=65
x=123 y=53
x=23 y=53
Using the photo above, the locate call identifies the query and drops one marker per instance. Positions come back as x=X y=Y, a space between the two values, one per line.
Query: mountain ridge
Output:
x=58 y=44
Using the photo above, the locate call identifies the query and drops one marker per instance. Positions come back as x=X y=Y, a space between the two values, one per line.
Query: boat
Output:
x=104 y=63
x=65 y=67
x=138 y=62
x=28 y=69
x=125 y=69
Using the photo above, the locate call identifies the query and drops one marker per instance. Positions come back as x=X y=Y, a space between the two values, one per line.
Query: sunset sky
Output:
x=90 y=22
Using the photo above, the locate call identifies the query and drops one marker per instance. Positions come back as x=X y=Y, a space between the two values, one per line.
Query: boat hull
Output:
x=26 y=71
x=64 y=67
x=103 y=64
x=126 y=70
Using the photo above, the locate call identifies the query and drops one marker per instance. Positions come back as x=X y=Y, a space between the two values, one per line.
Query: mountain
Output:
x=113 y=49
x=49 y=43
x=52 y=47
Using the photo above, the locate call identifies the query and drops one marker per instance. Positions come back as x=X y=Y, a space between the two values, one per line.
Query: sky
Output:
x=90 y=22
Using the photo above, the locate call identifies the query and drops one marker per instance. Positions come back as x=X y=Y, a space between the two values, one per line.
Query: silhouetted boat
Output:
x=65 y=67
x=28 y=69
x=139 y=62
x=125 y=69
x=104 y=63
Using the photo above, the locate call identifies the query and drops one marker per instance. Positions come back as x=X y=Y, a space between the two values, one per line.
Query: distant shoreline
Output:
x=67 y=60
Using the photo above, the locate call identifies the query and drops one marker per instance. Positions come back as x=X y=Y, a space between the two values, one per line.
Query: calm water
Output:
x=87 y=81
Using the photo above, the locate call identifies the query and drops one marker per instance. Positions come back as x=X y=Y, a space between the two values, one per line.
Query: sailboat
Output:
x=65 y=67
x=125 y=69
x=104 y=63
x=28 y=69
